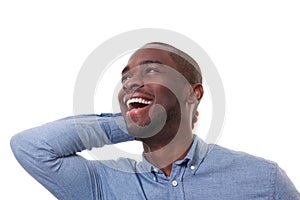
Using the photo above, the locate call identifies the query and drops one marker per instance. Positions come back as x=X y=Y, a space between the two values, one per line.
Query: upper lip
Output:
x=143 y=97
x=137 y=100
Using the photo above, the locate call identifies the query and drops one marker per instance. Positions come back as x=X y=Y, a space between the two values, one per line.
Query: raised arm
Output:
x=48 y=152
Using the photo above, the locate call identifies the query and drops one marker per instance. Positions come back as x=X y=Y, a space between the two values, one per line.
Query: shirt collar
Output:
x=194 y=157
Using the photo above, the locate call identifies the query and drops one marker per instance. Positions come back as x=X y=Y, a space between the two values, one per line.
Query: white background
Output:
x=255 y=46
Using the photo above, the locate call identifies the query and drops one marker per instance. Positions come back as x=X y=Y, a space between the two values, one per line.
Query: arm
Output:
x=284 y=188
x=48 y=152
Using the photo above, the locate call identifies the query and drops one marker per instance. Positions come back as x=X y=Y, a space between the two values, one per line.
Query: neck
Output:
x=166 y=147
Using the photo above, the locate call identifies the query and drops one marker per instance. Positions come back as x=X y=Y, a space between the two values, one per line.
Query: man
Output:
x=160 y=94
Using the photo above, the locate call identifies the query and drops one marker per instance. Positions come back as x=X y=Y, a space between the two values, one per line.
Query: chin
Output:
x=145 y=128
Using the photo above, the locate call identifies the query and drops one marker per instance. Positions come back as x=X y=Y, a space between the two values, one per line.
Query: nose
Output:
x=134 y=82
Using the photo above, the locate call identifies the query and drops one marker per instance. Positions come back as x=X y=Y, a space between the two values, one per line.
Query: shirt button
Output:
x=192 y=167
x=174 y=183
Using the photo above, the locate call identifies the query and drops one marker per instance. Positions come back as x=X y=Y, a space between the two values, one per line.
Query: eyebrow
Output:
x=145 y=62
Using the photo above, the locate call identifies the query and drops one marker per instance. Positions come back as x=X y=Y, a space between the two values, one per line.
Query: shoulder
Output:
x=240 y=168
x=245 y=174
x=239 y=159
x=238 y=172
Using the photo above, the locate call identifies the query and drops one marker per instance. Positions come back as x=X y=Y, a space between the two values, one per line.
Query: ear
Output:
x=196 y=94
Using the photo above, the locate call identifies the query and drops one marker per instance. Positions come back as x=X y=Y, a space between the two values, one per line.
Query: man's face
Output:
x=148 y=97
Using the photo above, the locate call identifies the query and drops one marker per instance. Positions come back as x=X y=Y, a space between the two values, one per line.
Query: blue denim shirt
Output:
x=207 y=172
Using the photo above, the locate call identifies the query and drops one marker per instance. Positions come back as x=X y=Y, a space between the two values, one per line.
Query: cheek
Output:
x=167 y=97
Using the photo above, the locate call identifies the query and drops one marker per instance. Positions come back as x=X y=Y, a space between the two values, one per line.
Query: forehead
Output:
x=149 y=54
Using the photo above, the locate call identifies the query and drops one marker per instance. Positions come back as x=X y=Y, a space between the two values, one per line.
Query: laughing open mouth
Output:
x=135 y=103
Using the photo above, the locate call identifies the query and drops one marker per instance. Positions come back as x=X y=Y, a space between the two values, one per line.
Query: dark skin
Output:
x=151 y=77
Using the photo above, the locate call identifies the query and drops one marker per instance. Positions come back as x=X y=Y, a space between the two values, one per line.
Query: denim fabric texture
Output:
x=209 y=172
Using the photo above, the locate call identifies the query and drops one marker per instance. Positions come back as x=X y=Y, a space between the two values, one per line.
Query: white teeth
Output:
x=137 y=100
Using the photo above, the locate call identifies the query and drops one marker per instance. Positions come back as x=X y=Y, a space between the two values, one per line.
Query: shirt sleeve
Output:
x=284 y=188
x=48 y=152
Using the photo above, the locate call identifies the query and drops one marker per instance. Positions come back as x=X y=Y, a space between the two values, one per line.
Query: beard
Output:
x=151 y=125
x=159 y=121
